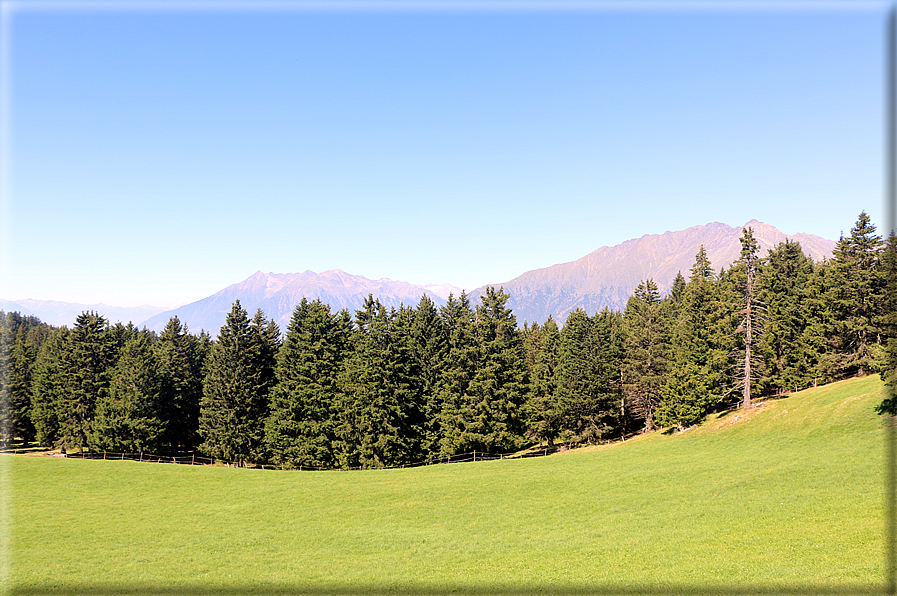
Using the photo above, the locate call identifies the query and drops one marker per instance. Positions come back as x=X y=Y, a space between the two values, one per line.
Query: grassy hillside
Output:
x=788 y=497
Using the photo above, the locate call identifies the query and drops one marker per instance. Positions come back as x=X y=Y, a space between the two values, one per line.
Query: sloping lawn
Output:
x=786 y=498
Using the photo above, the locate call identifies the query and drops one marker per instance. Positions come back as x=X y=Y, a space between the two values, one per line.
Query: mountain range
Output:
x=603 y=278
x=59 y=313
x=607 y=276
x=277 y=294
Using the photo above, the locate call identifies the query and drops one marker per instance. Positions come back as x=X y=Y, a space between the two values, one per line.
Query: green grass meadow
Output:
x=786 y=498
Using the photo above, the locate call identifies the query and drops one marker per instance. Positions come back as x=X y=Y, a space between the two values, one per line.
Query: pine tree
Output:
x=378 y=399
x=695 y=381
x=87 y=360
x=647 y=345
x=234 y=402
x=48 y=387
x=750 y=322
x=889 y=326
x=301 y=427
x=782 y=280
x=589 y=376
x=20 y=392
x=429 y=348
x=7 y=408
x=266 y=335
x=492 y=416
x=127 y=415
x=454 y=397
x=822 y=360
x=856 y=293
x=544 y=410
x=20 y=340
x=181 y=357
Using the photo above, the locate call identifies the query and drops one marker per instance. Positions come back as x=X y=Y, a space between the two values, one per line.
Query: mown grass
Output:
x=787 y=498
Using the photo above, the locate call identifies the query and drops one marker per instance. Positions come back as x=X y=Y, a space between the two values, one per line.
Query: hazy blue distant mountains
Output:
x=64 y=313
x=603 y=278
x=277 y=294
x=608 y=276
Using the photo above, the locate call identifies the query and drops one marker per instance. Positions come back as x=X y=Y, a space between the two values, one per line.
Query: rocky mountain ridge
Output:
x=605 y=277
x=608 y=275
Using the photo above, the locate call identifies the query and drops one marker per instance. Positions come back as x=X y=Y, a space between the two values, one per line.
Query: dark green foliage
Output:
x=855 y=292
x=818 y=335
x=378 y=405
x=21 y=367
x=20 y=339
x=119 y=334
x=420 y=384
x=645 y=362
x=589 y=379
x=457 y=373
x=677 y=289
x=181 y=357
x=491 y=417
x=429 y=348
x=238 y=375
x=127 y=415
x=750 y=322
x=267 y=340
x=88 y=356
x=544 y=410
x=782 y=278
x=889 y=326
x=48 y=386
x=700 y=349
x=301 y=427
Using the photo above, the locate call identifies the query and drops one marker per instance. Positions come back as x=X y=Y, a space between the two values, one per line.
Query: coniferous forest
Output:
x=385 y=387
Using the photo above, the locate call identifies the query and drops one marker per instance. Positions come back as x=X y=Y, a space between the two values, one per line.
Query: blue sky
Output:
x=159 y=154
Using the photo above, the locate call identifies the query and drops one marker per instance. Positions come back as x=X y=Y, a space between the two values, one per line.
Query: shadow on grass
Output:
x=424 y=590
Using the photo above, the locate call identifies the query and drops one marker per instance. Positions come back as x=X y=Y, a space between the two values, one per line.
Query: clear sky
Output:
x=158 y=154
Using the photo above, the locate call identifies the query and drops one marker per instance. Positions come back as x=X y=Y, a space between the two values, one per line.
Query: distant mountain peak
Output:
x=277 y=294
x=444 y=290
x=607 y=276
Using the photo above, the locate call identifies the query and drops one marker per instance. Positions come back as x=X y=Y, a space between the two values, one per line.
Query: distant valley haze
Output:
x=603 y=278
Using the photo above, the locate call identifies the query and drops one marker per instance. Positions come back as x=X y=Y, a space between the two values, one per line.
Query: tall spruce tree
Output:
x=378 y=402
x=589 y=376
x=782 y=280
x=429 y=348
x=266 y=335
x=695 y=381
x=454 y=397
x=21 y=369
x=492 y=416
x=856 y=294
x=48 y=387
x=644 y=365
x=30 y=335
x=235 y=390
x=544 y=410
x=889 y=326
x=750 y=322
x=88 y=358
x=823 y=361
x=127 y=415
x=301 y=427
x=181 y=357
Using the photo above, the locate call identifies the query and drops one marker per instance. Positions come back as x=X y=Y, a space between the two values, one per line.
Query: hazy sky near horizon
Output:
x=155 y=156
